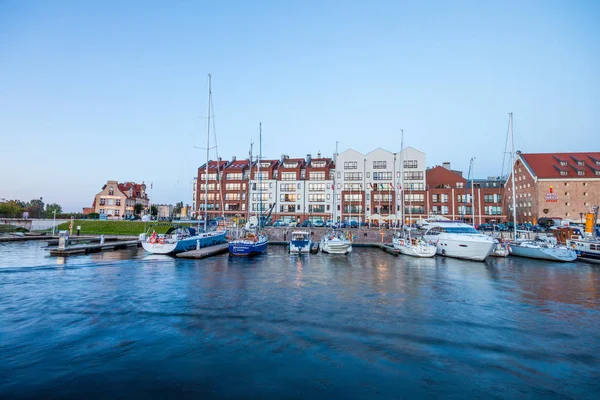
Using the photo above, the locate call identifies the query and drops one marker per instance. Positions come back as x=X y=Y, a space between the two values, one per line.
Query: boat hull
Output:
x=419 y=250
x=185 y=244
x=336 y=246
x=467 y=247
x=300 y=246
x=247 y=247
x=543 y=253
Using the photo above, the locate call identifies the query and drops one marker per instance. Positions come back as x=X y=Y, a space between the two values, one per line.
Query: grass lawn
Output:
x=94 y=227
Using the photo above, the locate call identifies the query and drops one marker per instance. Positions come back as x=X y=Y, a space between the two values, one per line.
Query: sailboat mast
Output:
x=259 y=174
x=207 y=155
x=402 y=177
x=472 y=194
x=512 y=157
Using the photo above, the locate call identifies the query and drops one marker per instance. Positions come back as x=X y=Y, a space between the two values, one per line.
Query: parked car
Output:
x=306 y=224
x=486 y=227
x=279 y=223
x=319 y=223
x=329 y=223
x=353 y=224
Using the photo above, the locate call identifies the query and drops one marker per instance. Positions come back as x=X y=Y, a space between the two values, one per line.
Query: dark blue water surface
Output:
x=132 y=326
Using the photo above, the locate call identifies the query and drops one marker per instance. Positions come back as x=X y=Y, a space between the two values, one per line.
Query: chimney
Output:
x=446 y=165
x=319 y=154
x=233 y=158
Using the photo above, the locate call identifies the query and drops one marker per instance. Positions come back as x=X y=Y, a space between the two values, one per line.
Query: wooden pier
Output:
x=205 y=252
x=92 y=248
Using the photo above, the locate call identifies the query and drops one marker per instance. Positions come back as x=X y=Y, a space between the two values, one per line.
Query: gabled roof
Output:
x=136 y=189
x=237 y=164
x=328 y=162
x=213 y=165
x=562 y=165
x=300 y=162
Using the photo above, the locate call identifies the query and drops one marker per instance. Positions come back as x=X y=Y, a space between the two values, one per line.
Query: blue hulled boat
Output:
x=249 y=244
x=179 y=239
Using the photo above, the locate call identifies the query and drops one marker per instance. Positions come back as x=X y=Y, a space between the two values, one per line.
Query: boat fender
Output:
x=443 y=252
x=256 y=239
x=161 y=240
x=508 y=248
x=152 y=240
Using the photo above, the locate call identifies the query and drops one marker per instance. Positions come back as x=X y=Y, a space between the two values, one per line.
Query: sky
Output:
x=92 y=91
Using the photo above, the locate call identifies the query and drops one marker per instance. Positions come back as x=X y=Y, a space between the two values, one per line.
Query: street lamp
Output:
x=40 y=208
x=53 y=222
x=581 y=217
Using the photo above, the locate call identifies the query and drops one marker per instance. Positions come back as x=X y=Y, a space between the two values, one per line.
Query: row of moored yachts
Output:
x=450 y=239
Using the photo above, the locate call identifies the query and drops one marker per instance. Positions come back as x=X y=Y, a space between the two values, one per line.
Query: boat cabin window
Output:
x=460 y=229
x=435 y=231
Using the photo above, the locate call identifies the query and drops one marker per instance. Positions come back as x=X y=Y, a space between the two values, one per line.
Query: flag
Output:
x=381 y=185
x=332 y=186
x=371 y=185
x=392 y=186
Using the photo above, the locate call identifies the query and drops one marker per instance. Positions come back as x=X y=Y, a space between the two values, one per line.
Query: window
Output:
x=288 y=197
x=563 y=163
x=413 y=175
x=368 y=174
x=460 y=185
x=111 y=202
x=444 y=210
x=410 y=164
x=444 y=198
x=414 y=209
x=350 y=165
x=353 y=176
x=585 y=184
x=102 y=202
x=111 y=191
x=353 y=186
x=287 y=187
x=381 y=186
x=316 y=197
x=563 y=172
x=118 y=202
x=414 y=197
x=580 y=172
x=233 y=186
x=382 y=176
x=316 y=187
x=288 y=176
x=377 y=197
x=211 y=177
x=316 y=208
x=317 y=176
x=354 y=197
x=434 y=199
x=262 y=175
x=491 y=198
x=585 y=193
x=318 y=164
x=414 y=186
x=232 y=196
x=117 y=213
x=287 y=208
x=263 y=186
x=379 y=164
x=290 y=164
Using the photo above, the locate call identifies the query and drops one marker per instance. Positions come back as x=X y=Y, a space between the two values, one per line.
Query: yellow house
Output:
x=118 y=200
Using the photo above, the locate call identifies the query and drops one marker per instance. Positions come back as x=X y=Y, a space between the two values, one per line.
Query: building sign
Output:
x=551 y=197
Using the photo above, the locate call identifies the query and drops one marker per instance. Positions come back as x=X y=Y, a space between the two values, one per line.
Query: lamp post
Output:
x=581 y=217
x=40 y=207
x=53 y=222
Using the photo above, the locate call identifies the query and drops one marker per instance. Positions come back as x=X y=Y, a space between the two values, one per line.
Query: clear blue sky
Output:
x=97 y=90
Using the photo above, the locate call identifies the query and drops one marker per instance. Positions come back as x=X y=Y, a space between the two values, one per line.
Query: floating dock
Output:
x=206 y=251
x=92 y=248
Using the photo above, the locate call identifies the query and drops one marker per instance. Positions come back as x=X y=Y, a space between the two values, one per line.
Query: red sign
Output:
x=551 y=197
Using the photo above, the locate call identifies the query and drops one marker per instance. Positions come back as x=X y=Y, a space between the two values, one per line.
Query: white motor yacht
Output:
x=414 y=247
x=335 y=243
x=459 y=240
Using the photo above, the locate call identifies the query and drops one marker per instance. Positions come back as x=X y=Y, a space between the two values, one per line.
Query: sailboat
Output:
x=252 y=241
x=180 y=238
x=409 y=246
x=538 y=248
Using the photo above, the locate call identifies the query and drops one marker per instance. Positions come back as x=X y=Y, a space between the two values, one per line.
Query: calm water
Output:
x=370 y=325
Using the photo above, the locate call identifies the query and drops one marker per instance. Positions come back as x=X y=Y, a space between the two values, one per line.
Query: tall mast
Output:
x=207 y=155
x=250 y=183
x=259 y=175
x=512 y=173
x=334 y=214
x=472 y=194
x=402 y=176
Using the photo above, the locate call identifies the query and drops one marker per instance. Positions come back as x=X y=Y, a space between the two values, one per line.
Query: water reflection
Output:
x=367 y=325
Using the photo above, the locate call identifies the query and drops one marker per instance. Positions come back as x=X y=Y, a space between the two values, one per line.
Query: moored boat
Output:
x=499 y=251
x=414 y=247
x=541 y=250
x=179 y=239
x=250 y=243
x=300 y=242
x=459 y=240
x=335 y=243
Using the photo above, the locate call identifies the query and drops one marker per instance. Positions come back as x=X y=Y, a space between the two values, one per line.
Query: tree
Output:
x=138 y=208
x=153 y=210
x=50 y=208
x=177 y=208
x=11 y=209
x=35 y=208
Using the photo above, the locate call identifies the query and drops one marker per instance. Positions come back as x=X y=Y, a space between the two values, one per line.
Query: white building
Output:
x=372 y=184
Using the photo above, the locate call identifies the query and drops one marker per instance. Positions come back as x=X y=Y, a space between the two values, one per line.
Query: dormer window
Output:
x=580 y=172
x=111 y=191
x=563 y=163
x=318 y=164
x=580 y=163
x=563 y=173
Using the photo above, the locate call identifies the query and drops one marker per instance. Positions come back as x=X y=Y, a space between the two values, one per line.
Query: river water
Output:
x=370 y=325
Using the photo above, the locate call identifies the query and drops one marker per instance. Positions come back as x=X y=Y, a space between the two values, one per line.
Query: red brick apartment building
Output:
x=450 y=194
x=235 y=190
x=215 y=175
x=554 y=185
